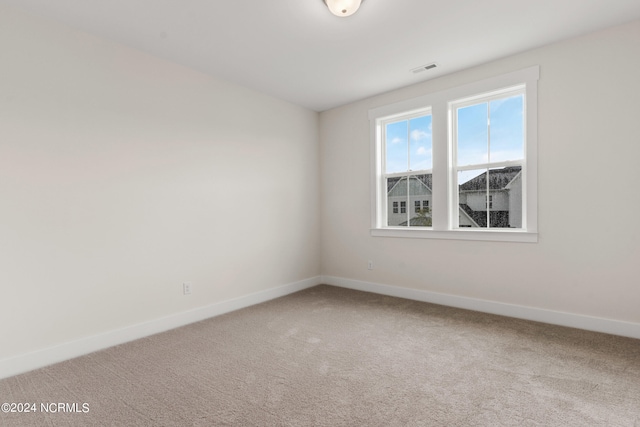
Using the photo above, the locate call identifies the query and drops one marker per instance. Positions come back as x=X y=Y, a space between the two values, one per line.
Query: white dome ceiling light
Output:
x=343 y=8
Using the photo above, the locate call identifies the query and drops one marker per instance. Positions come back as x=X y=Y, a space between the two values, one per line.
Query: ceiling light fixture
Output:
x=343 y=8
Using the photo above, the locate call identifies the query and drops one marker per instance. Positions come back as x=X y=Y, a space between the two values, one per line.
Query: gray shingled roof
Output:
x=497 y=218
x=498 y=179
x=427 y=179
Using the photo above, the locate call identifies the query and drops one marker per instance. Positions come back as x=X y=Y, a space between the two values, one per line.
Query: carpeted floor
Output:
x=336 y=357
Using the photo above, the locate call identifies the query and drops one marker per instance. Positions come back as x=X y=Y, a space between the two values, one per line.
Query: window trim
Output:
x=440 y=105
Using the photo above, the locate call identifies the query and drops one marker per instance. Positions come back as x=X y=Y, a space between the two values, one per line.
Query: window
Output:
x=418 y=208
x=407 y=166
x=488 y=143
x=464 y=158
x=489 y=203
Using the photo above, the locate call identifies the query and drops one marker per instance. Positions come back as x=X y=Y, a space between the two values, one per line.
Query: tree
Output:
x=422 y=218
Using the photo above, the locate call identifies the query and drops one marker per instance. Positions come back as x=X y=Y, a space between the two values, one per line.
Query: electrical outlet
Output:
x=186 y=288
x=369 y=265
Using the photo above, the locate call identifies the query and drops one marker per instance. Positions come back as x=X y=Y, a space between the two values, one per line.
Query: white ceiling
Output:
x=296 y=50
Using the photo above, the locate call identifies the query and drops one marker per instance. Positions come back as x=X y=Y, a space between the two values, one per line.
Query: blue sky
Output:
x=507 y=137
x=409 y=143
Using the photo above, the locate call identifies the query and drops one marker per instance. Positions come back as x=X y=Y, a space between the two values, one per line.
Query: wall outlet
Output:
x=369 y=265
x=186 y=288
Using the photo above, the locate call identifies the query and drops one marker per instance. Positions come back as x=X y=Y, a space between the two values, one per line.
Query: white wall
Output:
x=122 y=175
x=587 y=259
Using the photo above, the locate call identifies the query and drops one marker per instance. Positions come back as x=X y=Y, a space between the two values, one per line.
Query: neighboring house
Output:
x=416 y=208
x=500 y=203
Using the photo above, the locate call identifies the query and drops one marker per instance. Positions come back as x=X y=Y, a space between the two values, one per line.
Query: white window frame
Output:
x=475 y=100
x=444 y=187
x=405 y=116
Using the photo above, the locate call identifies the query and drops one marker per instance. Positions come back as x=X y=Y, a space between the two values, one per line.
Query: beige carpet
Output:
x=335 y=357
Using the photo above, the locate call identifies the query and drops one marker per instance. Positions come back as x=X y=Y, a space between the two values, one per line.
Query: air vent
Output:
x=424 y=68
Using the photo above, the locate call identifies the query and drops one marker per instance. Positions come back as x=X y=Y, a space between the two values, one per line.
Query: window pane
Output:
x=421 y=157
x=420 y=192
x=507 y=129
x=473 y=134
x=396 y=143
x=505 y=197
x=472 y=198
x=496 y=203
x=396 y=196
x=405 y=196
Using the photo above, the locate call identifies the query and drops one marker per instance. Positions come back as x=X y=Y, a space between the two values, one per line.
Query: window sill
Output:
x=483 y=235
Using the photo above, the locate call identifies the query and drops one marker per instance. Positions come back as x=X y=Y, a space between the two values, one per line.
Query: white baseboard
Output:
x=48 y=356
x=596 y=324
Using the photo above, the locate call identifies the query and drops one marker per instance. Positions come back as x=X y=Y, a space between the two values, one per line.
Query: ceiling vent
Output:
x=424 y=68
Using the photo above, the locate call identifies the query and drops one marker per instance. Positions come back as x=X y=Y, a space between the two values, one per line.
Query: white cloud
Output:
x=397 y=140
x=423 y=151
x=419 y=135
